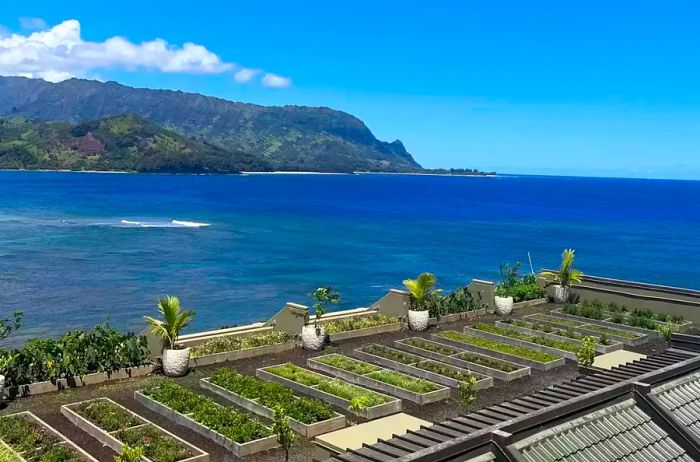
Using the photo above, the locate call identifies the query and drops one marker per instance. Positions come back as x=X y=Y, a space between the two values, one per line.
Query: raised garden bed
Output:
x=113 y=425
x=366 y=403
x=620 y=335
x=235 y=347
x=309 y=417
x=236 y=431
x=360 y=326
x=39 y=388
x=533 y=342
x=404 y=386
x=558 y=335
x=451 y=317
x=520 y=355
x=529 y=303
x=487 y=365
x=32 y=439
x=428 y=369
x=605 y=323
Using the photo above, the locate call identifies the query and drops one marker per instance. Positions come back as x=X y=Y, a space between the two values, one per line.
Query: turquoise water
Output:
x=76 y=248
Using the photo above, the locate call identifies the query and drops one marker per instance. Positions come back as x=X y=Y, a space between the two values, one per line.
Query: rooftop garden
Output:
x=271 y=394
x=499 y=347
x=234 y=425
x=337 y=326
x=240 y=342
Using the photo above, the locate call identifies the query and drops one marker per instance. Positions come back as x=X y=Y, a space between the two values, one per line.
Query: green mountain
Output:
x=222 y=133
x=127 y=142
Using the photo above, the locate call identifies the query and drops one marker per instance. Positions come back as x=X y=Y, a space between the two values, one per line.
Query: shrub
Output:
x=467 y=392
x=285 y=435
x=240 y=342
x=520 y=288
x=359 y=322
x=271 y=394
x=234 y=425
x=130 y=454
x=667 y=332
x=76 y=353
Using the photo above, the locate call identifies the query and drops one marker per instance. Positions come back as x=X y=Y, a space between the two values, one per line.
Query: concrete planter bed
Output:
x=482 y=381
x=452 y=317
x=390 y=406
x=235 y=355
x=395 y=327
x=439 y=394
x=539 y=365
x=238 y=449
x=307 y=430
x=636 y=338
x=600 y=348
x=454 y=359
x=683 y=327
x=529 y=303
x=605 y=323
x=110 y=438
x=521 y=343
x=39 y=388
x=51 y=438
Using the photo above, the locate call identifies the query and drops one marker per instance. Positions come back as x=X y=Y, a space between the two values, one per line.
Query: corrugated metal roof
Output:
x=621 y=432
x=682 y=398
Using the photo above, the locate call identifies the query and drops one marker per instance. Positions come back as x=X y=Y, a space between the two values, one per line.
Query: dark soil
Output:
x=48 y=406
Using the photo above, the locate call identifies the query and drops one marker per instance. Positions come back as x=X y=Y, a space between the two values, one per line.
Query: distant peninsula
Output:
x=90 y=125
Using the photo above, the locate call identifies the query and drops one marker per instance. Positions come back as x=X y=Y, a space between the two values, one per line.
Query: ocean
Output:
x=79 y=248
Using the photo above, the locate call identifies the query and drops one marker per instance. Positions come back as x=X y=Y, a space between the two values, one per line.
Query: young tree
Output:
x=586 y=352
x=323 y=296
x=667 y=331
x=467 y=393
x=285 y=435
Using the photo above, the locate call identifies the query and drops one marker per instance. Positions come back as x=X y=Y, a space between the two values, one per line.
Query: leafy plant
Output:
x=10 y=324
x=106 y=415
x=234 y=425
x=667 y=331
x=34 y=442
x=500 y=347
x=322 y=297
x=157 y=446
x=359 y=404
x=421 y=291
x=271 y=394
x=296 y=374
x=281 y=427
x=392 y=354
x=358 y=322
x=567 y=275
x=239 y=342
x=585 y=355
x=458 y=301
x=404 y=381
x=347 y=364
x=352 y=393
x=467 y=392
x=174 y=320
x=130 y=454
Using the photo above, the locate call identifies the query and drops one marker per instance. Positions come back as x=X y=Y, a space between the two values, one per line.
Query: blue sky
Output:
x=578 y=87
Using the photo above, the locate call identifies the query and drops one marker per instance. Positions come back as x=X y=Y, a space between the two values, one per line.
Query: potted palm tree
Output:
x=565 y=277
x=313 y=337
x=421 y=291
x=175 y=361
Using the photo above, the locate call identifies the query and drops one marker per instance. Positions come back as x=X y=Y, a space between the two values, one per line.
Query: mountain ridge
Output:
x=279 y=137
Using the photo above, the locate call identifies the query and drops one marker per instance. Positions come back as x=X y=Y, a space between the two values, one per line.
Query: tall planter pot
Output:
x=561 y=293
x=418 y=320
x=176 y=362
x=504 y=305
x=312 y=338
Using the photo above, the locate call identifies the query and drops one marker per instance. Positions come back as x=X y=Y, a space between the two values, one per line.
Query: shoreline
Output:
x=242 y=173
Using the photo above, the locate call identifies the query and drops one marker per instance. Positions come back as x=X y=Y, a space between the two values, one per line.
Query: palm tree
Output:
x=421 y=290
x=174 y=320
x=566 y=274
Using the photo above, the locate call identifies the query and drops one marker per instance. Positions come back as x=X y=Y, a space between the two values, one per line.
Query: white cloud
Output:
x=245 y=75
x=276 y=81
x=59 y=53
x=28 y=23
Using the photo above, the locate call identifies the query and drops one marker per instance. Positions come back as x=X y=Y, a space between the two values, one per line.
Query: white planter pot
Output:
x=561 y=294
x=311 y=339
x=504 y=305
x=418 y=320
x=176 y=362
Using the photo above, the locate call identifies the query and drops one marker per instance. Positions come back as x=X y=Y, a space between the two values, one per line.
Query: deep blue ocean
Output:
x=76 y=248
